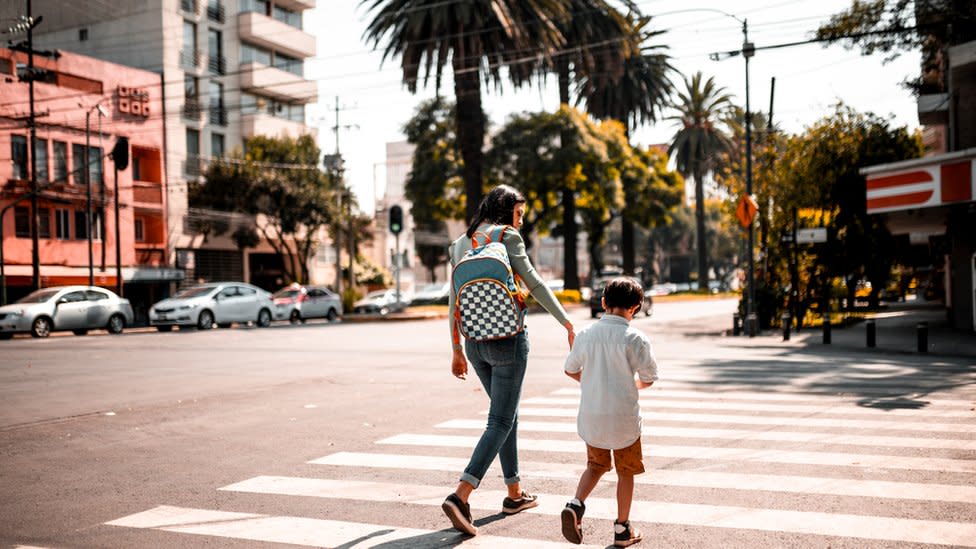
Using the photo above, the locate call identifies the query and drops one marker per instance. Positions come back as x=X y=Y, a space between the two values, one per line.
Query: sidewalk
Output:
x=896 y=330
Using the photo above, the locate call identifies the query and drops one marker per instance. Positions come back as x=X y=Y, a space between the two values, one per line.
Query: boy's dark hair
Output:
x=623 y=293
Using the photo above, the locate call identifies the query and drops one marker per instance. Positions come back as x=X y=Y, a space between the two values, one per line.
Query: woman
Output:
x=500 y=364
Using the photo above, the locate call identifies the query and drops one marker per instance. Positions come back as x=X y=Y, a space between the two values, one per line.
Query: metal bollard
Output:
x=786 y=320
x=922 y=331
x=752 y=324
x=871 y=332
x=826 y=330
x=736 y=324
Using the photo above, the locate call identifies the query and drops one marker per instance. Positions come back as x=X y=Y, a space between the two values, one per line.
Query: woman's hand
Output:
x=459 y=365
x=572 y=334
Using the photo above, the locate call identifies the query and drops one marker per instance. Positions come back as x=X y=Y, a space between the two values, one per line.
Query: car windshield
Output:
x=40 y=296
x=377 y=294
x=196 y=291
x=288 y=293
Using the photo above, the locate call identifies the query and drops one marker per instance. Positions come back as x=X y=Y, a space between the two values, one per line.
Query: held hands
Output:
x=459 y=365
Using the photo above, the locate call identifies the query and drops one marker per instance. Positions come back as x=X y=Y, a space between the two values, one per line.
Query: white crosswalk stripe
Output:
x=804 y=434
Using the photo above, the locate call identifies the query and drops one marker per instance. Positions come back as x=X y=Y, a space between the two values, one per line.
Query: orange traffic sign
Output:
x=746 y=211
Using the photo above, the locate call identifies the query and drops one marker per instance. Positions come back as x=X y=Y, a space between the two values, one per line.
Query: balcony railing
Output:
x=216 y=12
x=217 y=64
x=217 y=115
x=192 y=110
x=193 y=165
x=147 y=193
x=189 y=6
x=190 y=59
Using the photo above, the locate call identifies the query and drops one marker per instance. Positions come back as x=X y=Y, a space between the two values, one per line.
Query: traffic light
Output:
x=120 y=153
x=396 y=219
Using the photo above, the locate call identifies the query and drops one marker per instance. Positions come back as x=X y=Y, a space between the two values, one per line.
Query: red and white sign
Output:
x=924 y=183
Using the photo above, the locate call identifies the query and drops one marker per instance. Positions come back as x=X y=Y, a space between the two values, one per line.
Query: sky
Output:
x=810 y=79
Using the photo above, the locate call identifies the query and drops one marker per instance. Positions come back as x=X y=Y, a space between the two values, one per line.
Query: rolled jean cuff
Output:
x=512 y=480
x=471 y=479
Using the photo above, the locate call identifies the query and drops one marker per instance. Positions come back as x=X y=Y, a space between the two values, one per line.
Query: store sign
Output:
x=134 y=101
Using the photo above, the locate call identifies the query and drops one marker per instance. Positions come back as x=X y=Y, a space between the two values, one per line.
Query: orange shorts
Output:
x=628 y=461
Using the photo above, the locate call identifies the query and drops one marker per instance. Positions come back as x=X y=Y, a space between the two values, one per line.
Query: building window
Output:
x=82 y=35
x=43 y=223
x=215 y=11
x=22 y=224
x=258 y=6
x=215 y=49
x=255 y=54
x=95 y=164
x=60 y=150
x=189 y=57
x=40 y=159
x=62 y=224
x=290 y=64
x=218 y=114
x=18 y=155
x=139 y=230
x=192 y=152
x=216 y=145
x=288 y=17
x=81 y=225
x=97 y=225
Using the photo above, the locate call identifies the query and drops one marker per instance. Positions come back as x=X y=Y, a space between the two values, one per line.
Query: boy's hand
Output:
x=459 y=365
x=572 y=334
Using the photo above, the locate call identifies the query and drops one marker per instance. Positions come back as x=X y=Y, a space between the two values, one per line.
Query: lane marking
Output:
x=716 y=516
x=651 y=431
x=309 y=531
x=654 y=451
x=690 y=479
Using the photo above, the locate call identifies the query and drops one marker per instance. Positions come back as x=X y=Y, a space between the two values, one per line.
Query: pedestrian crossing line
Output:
x=310 y=531
x=668 y=392
x=713 y=419
x=687 y=479
x=643 y=511
x=699 y=404
x=871 y=461
x=739 y=435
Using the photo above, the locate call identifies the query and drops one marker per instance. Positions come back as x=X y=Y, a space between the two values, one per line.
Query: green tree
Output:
x=434 y=185
x=483 y=41
x=698 y=147
x=279 y=183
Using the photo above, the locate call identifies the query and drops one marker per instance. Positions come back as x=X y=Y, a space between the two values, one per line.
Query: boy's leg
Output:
x=597 y=463
x=628 y=461
x=625 y=496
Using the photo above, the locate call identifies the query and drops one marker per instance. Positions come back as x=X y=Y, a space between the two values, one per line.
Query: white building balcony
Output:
x=273 y=126
x=296 y=5
x=264 y=31
x=277 y=83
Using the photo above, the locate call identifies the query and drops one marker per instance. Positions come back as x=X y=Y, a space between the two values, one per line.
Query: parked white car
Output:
x=220 y=303
x=298 y=303
x=382 y=302
x=75 y=308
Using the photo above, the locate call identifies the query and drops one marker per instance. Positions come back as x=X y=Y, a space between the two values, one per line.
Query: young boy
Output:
x=605 y=358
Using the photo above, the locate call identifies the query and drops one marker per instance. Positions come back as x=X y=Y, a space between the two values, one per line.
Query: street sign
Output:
x=746 y=211
x=809 y=236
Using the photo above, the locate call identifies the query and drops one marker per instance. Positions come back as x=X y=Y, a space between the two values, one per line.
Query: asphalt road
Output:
x=350 y=435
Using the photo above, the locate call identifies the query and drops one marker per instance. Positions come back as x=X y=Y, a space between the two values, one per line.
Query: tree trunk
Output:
x=470 y=130
x=700 y=229
x=570 y=265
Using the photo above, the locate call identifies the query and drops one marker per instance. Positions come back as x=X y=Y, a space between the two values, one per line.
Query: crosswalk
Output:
x=743 y=468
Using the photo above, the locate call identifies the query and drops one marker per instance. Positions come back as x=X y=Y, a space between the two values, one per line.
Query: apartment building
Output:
x=230 y=69
x=83 y=107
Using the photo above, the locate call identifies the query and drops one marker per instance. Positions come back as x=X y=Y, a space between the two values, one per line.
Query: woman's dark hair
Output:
x=497 y=207
x=623 y=293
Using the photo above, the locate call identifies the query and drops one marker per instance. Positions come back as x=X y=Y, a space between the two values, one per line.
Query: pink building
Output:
x=117 y=101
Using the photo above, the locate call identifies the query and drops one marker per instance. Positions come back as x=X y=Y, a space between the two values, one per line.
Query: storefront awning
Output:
x=928 y=182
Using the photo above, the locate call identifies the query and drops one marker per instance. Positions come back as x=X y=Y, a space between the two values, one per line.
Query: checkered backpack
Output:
x=489 y=304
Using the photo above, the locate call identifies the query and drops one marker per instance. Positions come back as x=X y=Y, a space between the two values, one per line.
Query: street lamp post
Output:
x=88 y=191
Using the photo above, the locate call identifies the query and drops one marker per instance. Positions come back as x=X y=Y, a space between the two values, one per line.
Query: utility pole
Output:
x=32 y=125
x=748 y=50
x=335 y=164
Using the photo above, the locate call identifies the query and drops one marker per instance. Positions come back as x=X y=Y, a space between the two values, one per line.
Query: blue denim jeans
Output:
x=500 y=365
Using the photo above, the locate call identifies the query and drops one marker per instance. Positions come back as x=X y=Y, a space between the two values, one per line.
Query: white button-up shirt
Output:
x=608 y=353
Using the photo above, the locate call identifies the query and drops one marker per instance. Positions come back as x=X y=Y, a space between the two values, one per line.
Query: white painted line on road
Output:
x=309 y=531
x=666 y=391
x=690 y=479
x=717 y=516
x=652 y=451
x=651 y=431
x=714 y=419
x=699 y=404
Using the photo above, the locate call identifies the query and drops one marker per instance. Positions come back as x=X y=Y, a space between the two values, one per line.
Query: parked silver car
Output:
x=220 y=303
x=298 y=303
x=75 y=308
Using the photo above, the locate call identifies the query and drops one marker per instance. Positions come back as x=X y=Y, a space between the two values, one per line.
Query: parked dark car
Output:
x=596 y=304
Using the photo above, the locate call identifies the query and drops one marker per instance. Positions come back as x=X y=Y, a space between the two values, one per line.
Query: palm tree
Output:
x=636 y=97
x=698 y=145
x=478 y=38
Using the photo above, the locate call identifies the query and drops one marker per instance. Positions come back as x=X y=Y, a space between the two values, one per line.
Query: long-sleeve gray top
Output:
x=521 y=265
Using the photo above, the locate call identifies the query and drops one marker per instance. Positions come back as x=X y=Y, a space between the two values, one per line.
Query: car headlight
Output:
x=186 y=307
x=19 y=312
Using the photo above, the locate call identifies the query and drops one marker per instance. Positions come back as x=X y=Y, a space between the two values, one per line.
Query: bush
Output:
x=569 y=296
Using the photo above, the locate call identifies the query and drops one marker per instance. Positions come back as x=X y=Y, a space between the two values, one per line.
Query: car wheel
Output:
x=41 y=327
x=5 y=336
x=79 y=332
x=332 y=315
x=116 y=323
x=295 y=317
x=205 y=320
x=164 y=328
x=264 y=318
